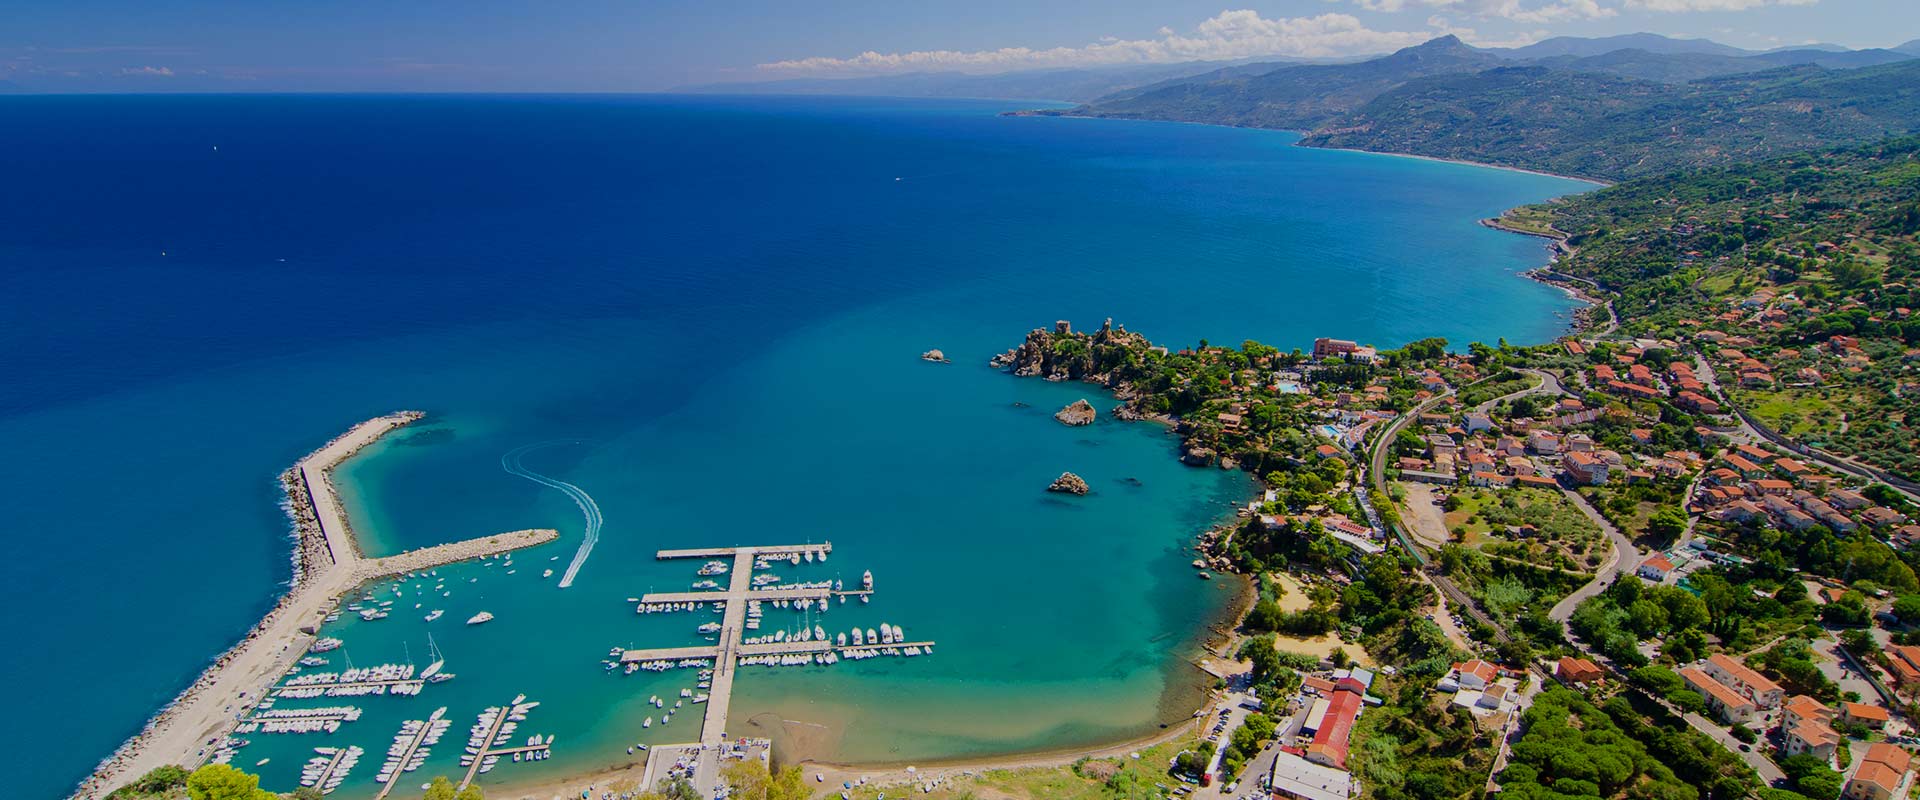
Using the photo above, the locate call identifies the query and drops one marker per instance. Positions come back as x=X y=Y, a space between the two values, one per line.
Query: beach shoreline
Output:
x=1041 y=112
x=327 y=564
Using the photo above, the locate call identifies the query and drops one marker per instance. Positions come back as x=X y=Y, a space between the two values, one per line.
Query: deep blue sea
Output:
x=719 y=304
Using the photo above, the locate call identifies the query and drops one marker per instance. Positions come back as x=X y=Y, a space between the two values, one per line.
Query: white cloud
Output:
x=1515 y=10
x=158 y=72
x=1517 y=39
x=1711 y=5
x=1228 y=35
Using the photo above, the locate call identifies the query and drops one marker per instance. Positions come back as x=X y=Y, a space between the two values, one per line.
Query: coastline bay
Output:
x=729 y=328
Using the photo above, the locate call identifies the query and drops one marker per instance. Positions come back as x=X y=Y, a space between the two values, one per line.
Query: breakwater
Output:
x=327 y=565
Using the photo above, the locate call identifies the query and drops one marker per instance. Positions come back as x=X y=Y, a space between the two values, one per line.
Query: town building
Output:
x=1730 y=706
x=1884 y=774
x=1655 y=568
x=1577 y=671
x=1761 y=689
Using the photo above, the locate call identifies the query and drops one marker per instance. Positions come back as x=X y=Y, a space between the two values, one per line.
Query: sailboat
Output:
x=432 y=673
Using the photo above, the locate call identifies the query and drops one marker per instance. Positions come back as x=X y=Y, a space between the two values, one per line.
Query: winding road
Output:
x=1616 y=564
x=1755 y=433
x=1378 y=468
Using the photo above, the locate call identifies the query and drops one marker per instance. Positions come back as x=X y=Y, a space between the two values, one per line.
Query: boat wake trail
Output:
x=511 y=462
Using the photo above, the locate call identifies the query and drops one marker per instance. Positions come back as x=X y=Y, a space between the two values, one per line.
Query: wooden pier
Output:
x=413 y=746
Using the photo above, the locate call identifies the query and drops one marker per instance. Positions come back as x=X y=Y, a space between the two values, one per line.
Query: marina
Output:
x=410 y=748
x=742 y=606
x=329 y=768
x=299 y=720
x=490 y=737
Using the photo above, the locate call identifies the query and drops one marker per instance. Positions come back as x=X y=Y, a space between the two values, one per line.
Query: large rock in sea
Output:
x=1069 y=483
x=1080 y=412
x=1198 y=456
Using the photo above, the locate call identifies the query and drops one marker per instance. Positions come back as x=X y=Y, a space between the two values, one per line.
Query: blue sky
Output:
x=645 y=45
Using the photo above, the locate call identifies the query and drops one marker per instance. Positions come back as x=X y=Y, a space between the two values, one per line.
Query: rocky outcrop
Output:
x=1079 y=412
x=935 y=355
x=1062 y=354
x=1198 y=456
x=1069 y=483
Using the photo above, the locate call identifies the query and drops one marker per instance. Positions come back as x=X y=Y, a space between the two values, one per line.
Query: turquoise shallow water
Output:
x=721 y=301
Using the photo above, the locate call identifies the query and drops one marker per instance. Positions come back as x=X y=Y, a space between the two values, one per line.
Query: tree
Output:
x=1667 y=523
x=439 y=789
x=751 y=780
x=1907 y=608
x=159 y=780
x=223 y=782
x=308 y=793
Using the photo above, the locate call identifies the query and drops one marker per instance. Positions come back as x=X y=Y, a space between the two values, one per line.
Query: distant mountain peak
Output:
x=1443 y=44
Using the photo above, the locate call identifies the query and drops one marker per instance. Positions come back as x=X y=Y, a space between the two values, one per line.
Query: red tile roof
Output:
x=1331 y=738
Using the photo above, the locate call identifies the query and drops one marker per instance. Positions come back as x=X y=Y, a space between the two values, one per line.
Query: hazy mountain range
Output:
x=1639 y=55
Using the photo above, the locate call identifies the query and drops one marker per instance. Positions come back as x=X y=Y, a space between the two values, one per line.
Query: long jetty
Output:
x=327 y=565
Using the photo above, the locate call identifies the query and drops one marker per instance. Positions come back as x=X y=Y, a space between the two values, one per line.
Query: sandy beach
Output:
x=826 y=778
x=327 y=565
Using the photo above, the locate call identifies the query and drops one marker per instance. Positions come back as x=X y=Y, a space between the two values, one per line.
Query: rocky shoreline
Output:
x=311 y=556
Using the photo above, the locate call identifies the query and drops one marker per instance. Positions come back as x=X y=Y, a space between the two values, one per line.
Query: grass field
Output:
x=1485 y=514
x=1812 y=411
x=1051 y=783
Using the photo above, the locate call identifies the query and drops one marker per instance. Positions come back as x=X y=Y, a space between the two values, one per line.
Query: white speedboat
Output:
x=484 y=616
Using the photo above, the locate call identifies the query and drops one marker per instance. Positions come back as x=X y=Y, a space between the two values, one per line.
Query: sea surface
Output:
x=709 y=312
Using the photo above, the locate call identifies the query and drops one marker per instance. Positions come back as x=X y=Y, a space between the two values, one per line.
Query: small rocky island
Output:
x=1069 y=483
x=1080 y=412
x=935 y=356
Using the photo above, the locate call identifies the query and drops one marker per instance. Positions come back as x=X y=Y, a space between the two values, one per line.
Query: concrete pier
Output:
x=705 y=754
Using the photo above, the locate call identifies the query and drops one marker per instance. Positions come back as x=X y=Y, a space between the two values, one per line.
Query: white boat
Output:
x=435 y=614
x=439 y=661
x=866 y=579
x=476 y=619
x=547 y=574
x=647 y=723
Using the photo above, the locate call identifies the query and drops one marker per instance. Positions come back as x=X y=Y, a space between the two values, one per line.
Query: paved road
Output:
x=1770 y=772
x=1236 y=715
x=1623 y=558
x=1379 y=480
x=1755 y=433
x=1547 y=385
